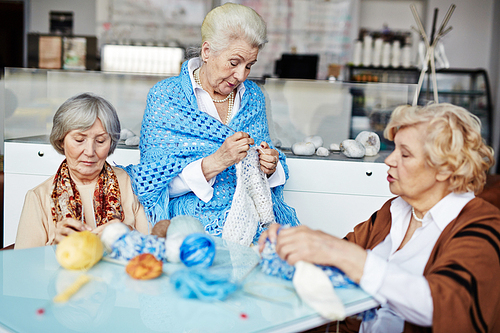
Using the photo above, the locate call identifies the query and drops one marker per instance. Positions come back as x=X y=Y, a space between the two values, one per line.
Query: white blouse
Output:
x=395 y=278
x=192 y=178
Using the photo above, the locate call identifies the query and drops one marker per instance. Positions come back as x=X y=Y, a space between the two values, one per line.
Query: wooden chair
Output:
x=10 y=247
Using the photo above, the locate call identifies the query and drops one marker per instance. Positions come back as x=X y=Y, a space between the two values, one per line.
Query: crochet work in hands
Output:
x=175 y=133
x=252 y=204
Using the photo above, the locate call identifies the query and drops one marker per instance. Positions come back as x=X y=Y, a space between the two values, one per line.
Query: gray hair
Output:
x=229 y=22
x=80 y=113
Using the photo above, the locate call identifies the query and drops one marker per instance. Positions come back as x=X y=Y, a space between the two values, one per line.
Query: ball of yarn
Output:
x=80 y=250
x=144 y=267
x=111 y=233
x=184 y=225
x=197 y=250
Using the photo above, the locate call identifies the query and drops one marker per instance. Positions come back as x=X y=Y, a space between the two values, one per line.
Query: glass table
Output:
x=114 y=302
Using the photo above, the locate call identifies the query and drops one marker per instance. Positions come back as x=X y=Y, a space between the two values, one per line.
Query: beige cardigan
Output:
x=36 y=227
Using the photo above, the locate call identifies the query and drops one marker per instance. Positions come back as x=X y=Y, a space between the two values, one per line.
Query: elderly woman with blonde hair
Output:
x=431 y=255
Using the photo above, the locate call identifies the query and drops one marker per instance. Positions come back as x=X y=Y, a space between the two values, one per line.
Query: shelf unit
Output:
x=469 y=88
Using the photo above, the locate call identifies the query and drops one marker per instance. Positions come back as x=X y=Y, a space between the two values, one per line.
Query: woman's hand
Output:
x=67 y=226
x=233 y=150
x=269 y=158
x=314 y=246
x=271 y=233
x=98 y=230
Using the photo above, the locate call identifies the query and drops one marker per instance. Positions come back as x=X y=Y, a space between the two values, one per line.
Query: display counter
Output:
x=331 y=193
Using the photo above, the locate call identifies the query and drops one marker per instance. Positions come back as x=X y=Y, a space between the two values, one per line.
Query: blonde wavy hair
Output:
x=453 y=142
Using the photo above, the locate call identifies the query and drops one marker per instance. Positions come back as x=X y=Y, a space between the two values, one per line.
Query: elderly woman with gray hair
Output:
x=431 y=255
x=86 y=193
x=199 y=124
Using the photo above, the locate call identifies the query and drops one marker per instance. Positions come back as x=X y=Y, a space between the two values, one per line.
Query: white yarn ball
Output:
x=173 y=248
x=184 y=225
x=111 y=233
x=180 y=227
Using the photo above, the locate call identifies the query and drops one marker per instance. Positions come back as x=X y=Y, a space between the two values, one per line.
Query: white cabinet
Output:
x=335 y=194
x=331 y=194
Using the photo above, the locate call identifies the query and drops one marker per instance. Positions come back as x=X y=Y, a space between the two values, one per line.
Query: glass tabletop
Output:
x=114 y=302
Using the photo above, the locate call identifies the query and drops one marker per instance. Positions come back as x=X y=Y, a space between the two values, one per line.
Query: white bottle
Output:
x=356 y=57
x=396 y=54
x=367 y=50
x=377 y=52
x=406 y=57
x=386 y=55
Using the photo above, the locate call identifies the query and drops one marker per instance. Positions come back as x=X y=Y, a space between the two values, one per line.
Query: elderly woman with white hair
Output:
x=431 y=255
x=86 y=193
x=199 y=124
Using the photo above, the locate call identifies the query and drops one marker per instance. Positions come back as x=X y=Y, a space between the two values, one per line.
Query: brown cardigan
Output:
x=463 y=270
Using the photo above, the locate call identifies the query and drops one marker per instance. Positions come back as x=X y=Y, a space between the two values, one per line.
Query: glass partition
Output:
x=296 y=108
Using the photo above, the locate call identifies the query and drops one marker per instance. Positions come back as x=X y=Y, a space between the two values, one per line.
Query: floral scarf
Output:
x=66 y=202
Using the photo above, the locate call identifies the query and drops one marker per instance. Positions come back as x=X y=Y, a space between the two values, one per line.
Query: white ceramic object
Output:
x=126 y=134
x=371 y=141
x=335 y=147
x=316 y=140
x=111 y=233
x=322 y=151
x=352 y=149
x=133 y=141
x=303 y=148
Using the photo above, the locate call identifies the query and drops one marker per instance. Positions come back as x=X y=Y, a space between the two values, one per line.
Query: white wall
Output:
x=468 y=45
x=84 y=15
x=495 y=77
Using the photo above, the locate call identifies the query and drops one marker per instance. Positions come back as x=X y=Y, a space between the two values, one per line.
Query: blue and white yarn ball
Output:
x=194 y=249
x=272 y=264
x=134 y=243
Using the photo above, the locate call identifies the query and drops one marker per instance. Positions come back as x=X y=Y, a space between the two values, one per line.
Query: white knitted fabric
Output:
x=252 y=203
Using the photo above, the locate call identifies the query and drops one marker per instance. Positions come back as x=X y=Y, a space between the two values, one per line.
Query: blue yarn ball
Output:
x=197 y=250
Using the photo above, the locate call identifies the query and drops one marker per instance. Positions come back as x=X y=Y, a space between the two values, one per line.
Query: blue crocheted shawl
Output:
x=175 y=133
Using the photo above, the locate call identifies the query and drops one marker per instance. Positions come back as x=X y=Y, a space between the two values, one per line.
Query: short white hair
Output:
x=229 y=22
x=80 y=113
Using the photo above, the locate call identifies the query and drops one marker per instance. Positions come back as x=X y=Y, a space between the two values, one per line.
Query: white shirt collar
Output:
x=442 y=213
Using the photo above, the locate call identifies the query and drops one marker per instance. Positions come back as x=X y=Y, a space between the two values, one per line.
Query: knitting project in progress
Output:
x=252 y=205
x=175 y=133
x=272 y=264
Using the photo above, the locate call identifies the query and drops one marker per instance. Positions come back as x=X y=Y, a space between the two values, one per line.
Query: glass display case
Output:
x=296 y=108
x=468 y=88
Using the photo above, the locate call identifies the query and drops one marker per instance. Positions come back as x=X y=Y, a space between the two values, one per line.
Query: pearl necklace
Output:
x=415 y=215
x=229 y=97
